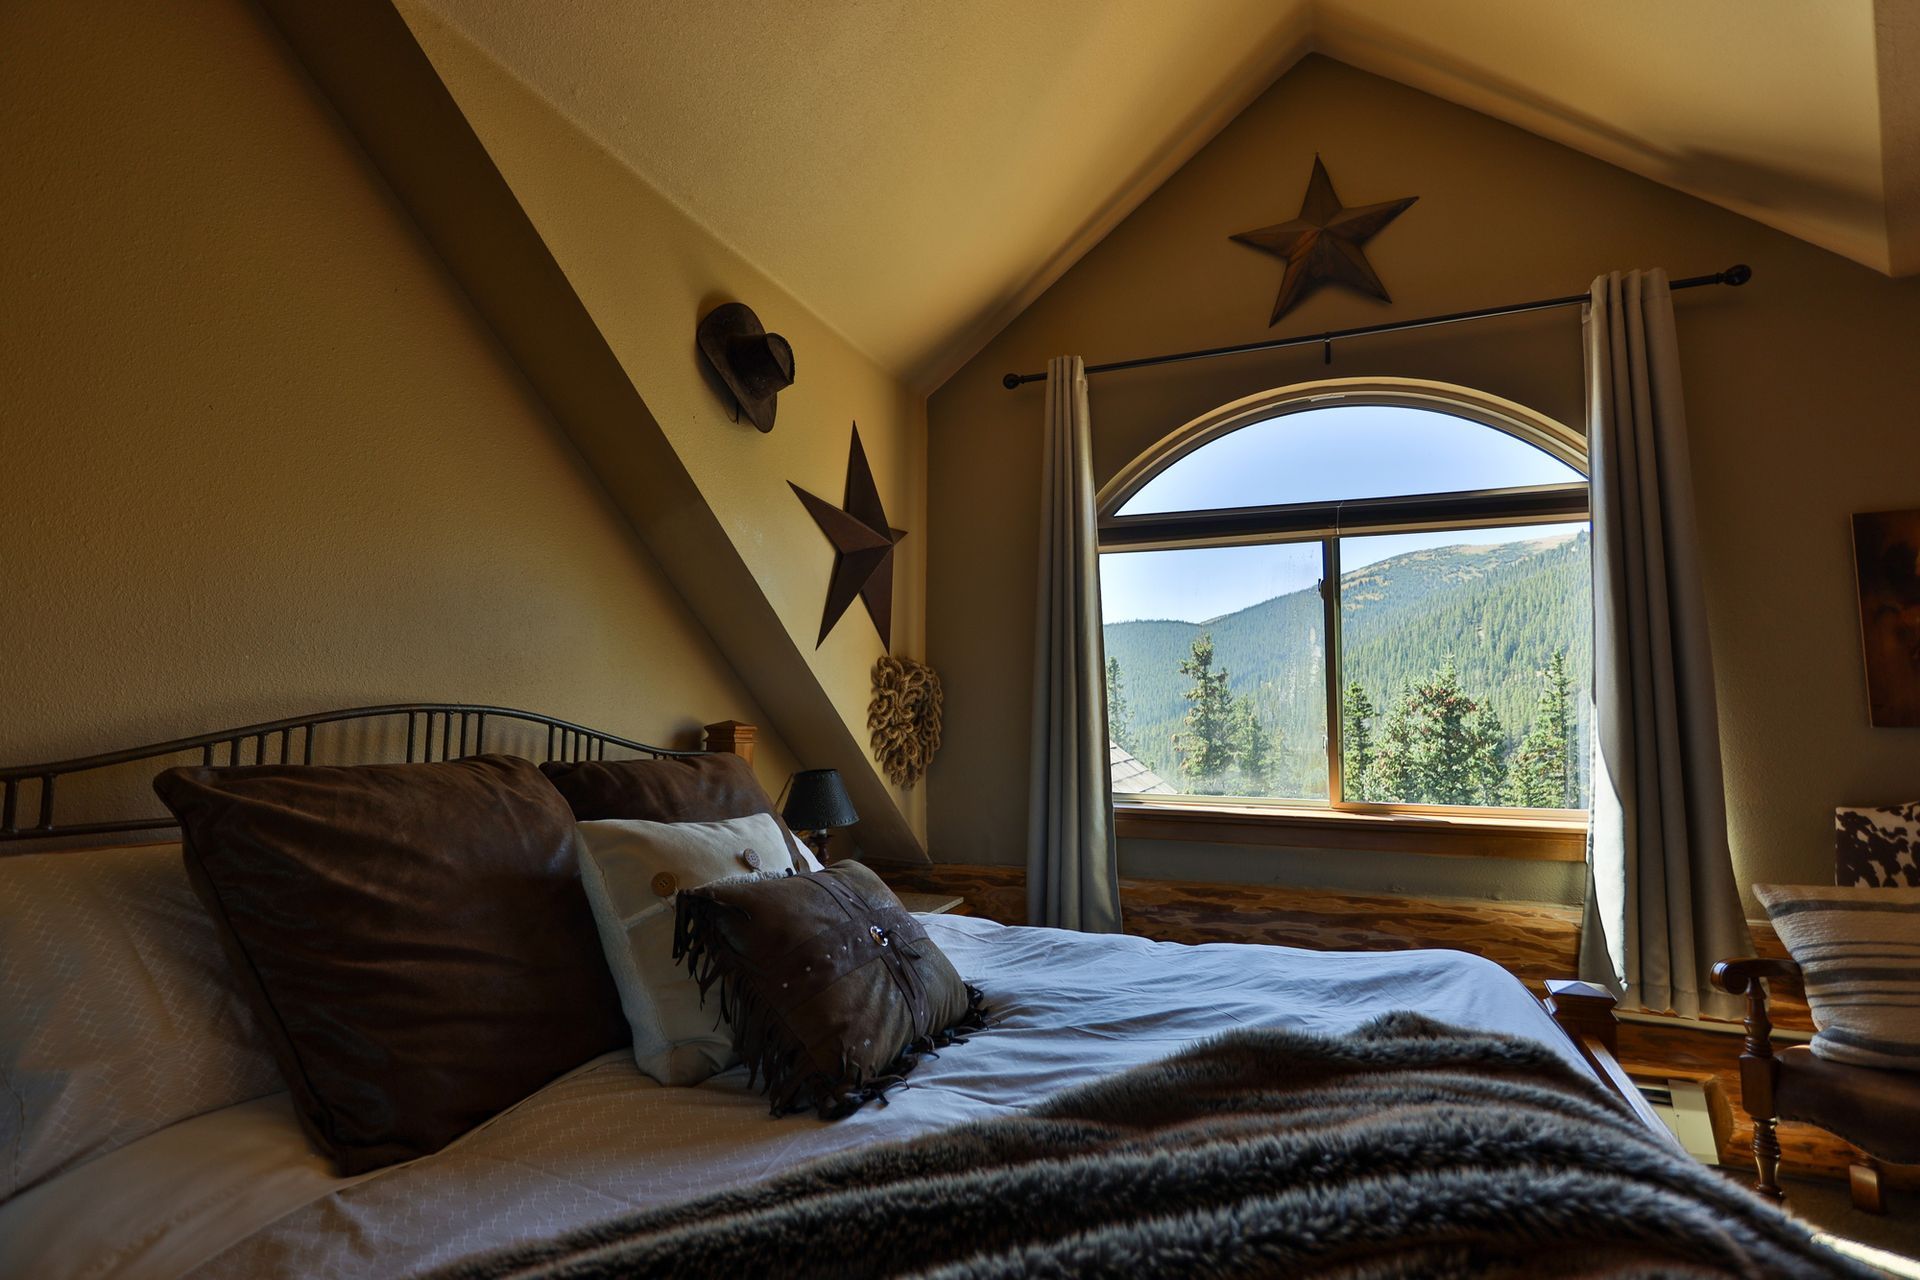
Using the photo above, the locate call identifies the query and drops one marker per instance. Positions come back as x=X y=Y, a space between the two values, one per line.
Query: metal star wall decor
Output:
x=1322 y=245
x=863 y=547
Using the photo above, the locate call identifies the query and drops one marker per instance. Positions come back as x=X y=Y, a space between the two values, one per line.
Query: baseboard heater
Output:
x=1683 y=1106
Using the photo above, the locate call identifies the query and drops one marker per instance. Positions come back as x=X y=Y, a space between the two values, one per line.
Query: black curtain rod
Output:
x=1736 y=275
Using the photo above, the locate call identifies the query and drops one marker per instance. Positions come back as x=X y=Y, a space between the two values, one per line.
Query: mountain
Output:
x=1500 y=611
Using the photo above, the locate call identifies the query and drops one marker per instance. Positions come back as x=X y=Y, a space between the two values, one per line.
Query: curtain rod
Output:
x=1736 y=275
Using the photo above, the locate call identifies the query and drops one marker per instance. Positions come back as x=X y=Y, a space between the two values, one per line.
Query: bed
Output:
x=238 y=1191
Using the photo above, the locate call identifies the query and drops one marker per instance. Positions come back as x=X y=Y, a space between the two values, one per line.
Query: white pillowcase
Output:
x=632 y=871
x=119 y=1014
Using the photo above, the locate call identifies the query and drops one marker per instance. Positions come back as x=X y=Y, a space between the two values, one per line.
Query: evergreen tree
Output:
x=1440 y=746
x=1253 y=749
x=1443 y=766
x=1356 y=743
x=1486 y=755
x=1543 y=768
x=1119 y=713
x=1392 y=776
x=1206 y=748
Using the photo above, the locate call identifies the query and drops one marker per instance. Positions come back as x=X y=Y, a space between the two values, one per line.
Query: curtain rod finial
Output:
x=1737 y=274
x=1011 y=381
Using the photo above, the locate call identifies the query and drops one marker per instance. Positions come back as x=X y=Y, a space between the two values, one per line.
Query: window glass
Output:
x=1345 y=452
x=1216 y=671
x=1462 y=675
x=1466 y=666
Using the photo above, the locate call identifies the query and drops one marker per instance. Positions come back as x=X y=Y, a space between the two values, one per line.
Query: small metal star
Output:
x=863 y=547
x=1322 y=245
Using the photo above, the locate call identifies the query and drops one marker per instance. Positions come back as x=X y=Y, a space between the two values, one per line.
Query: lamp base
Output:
x=817 y=841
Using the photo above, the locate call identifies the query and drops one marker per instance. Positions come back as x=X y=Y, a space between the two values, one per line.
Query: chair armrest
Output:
x=1759 y=1068
x=1742 y=977
x=1737 y=977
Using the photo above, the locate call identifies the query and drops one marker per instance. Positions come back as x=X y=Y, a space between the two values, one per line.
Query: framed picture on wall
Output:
x=1886 y=557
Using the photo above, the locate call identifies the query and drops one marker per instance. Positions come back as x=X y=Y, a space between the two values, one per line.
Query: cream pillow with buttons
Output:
x=631 y=871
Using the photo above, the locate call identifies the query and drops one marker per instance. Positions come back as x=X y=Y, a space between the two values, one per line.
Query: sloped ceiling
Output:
x=917 y=173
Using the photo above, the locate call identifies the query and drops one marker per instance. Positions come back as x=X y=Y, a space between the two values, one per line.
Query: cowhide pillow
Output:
x=1877 y=847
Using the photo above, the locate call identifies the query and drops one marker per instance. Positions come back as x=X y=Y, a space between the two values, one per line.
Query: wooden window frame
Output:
x=1553 y=835
x=1525 y=834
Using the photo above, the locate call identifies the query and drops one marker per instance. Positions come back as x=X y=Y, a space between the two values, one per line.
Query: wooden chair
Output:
x=1876 y=1111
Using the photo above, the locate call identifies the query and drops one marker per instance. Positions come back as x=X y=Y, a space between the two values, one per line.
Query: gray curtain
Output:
x=1662 y=905
x=1073 y=879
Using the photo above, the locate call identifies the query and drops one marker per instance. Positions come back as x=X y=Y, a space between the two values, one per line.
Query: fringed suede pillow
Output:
x=832 y=988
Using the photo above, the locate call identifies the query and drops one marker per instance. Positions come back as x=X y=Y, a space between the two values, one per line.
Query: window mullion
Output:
x=1330 y=612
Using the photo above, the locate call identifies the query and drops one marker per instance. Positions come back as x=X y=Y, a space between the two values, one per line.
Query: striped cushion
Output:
x=1860 y=950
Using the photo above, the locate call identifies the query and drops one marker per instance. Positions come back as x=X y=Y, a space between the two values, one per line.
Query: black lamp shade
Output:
x=817 y=801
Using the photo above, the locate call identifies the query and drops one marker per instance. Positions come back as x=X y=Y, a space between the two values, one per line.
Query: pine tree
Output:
x=1440 y=746
x=1119 y=713
x=1206 y=749
x=1392 y=777
x=1443 y=759
x=1253 y=749
x=1486 y=755
x=1356 y=743
x=1543 y=768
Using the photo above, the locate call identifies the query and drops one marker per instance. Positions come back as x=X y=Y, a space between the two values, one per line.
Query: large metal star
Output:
x=863 y=547
x=1322 y=245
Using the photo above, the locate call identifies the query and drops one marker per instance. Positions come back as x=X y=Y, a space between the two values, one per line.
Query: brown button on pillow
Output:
x=711 y=787
x=413 y=936
x=832 y=988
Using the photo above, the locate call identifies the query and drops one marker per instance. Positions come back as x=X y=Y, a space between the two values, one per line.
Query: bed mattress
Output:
x=237 y=1193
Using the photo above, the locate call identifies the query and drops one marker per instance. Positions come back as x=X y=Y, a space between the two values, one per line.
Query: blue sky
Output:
x=1326 y=454
x=1348 y=451
x=1194 y=586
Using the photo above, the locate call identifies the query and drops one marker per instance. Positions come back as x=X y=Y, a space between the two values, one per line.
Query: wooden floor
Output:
x=1535 y=941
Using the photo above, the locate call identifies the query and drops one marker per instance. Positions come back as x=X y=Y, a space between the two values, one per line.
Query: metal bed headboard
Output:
x=434 y=731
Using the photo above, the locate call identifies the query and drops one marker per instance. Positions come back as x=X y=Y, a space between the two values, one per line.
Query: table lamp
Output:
x=817 y=805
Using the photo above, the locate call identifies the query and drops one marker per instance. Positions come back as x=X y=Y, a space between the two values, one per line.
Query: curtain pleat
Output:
x=1073 y=877
x=1662 y=903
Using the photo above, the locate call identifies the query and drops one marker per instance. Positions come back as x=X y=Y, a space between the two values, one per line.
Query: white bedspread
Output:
x=238 y=1194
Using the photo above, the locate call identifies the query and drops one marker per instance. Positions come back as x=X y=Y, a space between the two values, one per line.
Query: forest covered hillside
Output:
x=1500 y=612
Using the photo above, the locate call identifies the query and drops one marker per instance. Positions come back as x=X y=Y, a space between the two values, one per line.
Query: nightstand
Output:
x=932 y=904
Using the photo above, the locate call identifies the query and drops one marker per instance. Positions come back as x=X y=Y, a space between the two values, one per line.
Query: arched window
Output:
x=1360 y=594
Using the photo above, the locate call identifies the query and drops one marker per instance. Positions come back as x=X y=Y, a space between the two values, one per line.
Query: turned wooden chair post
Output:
x=1759 y=1069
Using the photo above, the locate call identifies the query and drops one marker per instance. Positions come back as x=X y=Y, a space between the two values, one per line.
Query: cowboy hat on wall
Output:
x=756 y=365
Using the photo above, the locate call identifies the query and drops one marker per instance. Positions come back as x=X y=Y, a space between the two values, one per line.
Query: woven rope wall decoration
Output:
x=904 y=718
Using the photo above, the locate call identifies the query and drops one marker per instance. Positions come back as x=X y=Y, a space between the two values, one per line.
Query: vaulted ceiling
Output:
x=917 y=173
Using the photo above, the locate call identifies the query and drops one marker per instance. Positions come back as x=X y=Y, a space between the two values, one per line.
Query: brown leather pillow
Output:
x=712 y=787
x=832 y=988
x=413 y=936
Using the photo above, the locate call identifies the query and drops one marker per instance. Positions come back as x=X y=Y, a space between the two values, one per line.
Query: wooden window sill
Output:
x=1445 y=835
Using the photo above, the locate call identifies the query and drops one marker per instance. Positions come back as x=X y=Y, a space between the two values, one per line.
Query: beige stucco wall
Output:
x=1799 y=388
x=258 y=454
x=646 y=272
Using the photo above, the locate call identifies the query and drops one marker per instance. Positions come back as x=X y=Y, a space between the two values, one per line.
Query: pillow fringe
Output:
x=791 y=1086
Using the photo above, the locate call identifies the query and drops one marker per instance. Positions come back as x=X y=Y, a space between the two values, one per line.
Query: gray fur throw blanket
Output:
x=1405 y=1149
